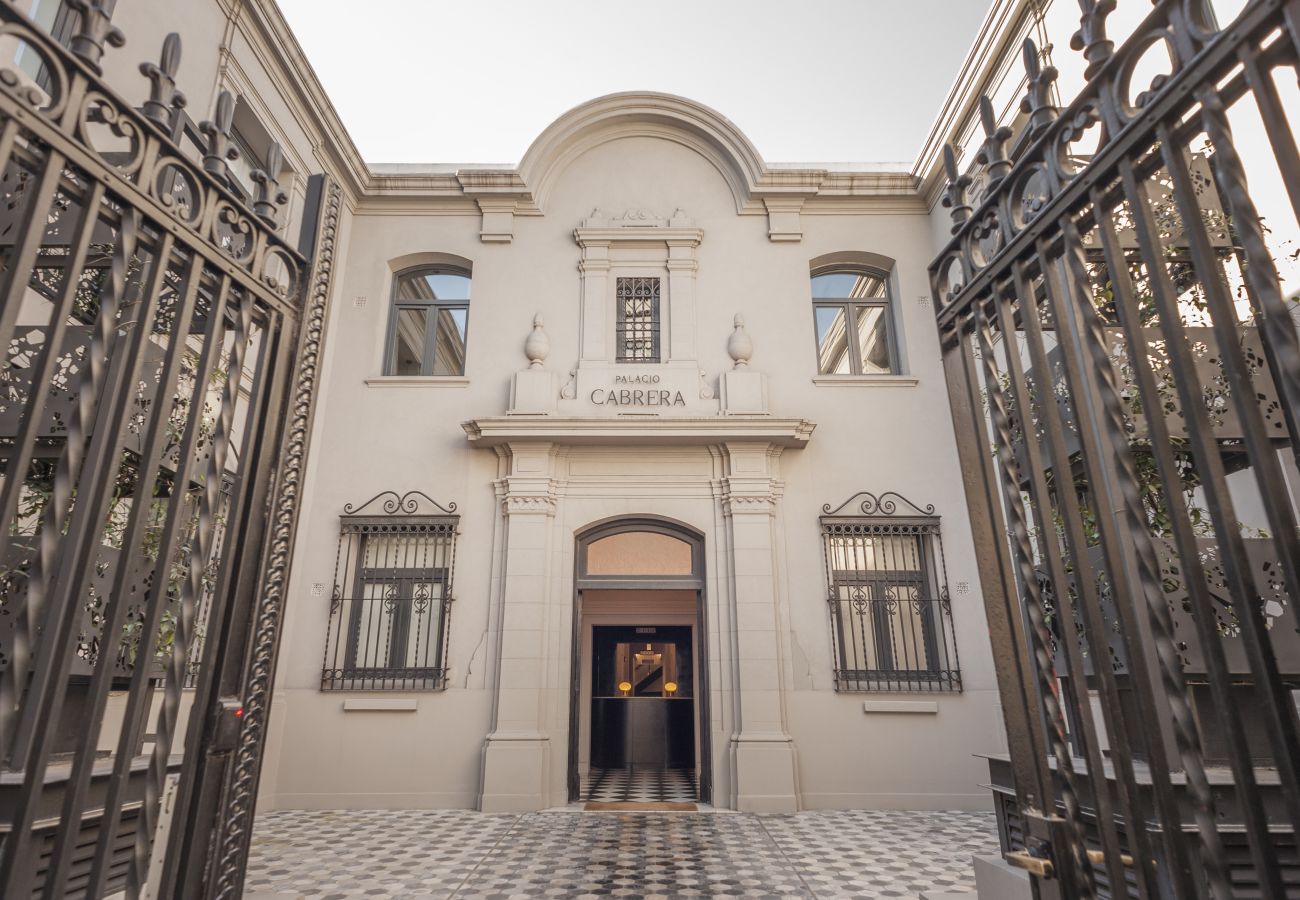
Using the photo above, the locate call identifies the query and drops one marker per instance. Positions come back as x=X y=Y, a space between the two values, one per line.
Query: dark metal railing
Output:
x=392 y=596
x=1114 y=327
x=891 y=617
x=154 y=325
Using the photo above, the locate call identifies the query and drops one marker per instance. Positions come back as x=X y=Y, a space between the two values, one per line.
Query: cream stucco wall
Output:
x=890 y=434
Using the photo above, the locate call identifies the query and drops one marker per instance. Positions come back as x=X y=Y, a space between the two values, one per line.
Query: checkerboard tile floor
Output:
x=639 y=785
x=422 y=854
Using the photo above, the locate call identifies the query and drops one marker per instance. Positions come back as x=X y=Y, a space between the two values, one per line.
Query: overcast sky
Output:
x=477 y=80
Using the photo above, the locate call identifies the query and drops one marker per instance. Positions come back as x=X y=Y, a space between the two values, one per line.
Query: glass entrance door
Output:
x=642 y=698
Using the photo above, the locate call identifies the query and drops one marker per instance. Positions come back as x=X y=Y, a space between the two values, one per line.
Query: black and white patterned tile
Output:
x=422 y=854
x=639 y=785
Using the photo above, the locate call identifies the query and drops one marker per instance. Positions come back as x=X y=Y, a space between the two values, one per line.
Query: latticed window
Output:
x=638 y=319
x=891 y=619
x=392 y=597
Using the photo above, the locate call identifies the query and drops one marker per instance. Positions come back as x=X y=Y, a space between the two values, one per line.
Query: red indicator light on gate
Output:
x=239 y=713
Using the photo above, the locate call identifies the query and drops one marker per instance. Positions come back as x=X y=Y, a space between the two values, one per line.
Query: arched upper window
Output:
x=851 y=312
x=430 y=320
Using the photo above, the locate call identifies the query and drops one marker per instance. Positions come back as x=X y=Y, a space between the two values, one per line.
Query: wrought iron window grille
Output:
x=392 y=596
x=638 y=320
x=890 y=611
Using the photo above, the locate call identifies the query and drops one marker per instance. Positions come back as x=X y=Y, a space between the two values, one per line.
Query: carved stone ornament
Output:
x=533 y=504
x=633 y=218
x=740 y=346
x=538 y=346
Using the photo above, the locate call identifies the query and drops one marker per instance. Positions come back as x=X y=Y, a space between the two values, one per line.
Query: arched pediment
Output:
x=643 y=114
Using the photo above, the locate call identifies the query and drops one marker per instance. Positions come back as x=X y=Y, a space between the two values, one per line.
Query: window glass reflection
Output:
x=873 y=340
x=408 y=354
x=832 y=341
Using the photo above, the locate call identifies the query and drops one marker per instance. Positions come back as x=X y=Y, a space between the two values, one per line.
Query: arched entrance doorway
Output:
x=638 y=716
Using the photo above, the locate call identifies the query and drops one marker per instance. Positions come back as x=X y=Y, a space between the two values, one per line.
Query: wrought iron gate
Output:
x=161 y=346
x=1124 y=369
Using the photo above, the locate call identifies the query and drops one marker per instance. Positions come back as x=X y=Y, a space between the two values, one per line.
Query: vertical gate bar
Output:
x=114 y=613
x=71 y=568
x=1132 y=572
x=1276 y=124
x=1209 y=465
x=54 y=513
x=20 y=454
x=1066 y=612
x=1263 y=289
x=1284 y=733
x=1028 y=753
x=173 y=532
x=204 y=702
x=1192 y=570
x=1075 y=872
x=31 y=231
x=1136 y=813
x=8 y=135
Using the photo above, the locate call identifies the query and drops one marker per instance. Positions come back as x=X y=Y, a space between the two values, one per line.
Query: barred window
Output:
x=638 y=319
x=891 y=619
x=392 y=596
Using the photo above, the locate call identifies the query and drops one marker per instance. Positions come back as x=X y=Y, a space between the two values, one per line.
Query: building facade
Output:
x=643 y=380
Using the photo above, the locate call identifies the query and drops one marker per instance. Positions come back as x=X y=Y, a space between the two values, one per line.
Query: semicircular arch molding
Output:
x=643 y=114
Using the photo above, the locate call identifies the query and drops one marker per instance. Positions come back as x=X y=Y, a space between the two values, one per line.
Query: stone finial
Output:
x=739 y=346
x=538 y=346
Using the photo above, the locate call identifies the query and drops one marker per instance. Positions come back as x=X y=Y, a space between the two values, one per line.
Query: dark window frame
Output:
x=853 y=307
x=431 y=309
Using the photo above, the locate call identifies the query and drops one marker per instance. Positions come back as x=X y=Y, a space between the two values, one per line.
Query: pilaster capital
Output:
x=529 y=505
x=748 y=505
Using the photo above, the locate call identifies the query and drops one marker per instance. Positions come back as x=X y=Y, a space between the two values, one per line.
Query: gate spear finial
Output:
x=94 y=29
x=954 y=195
x=164 y=99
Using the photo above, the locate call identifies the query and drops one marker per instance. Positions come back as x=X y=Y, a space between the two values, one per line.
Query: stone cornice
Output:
x=638 y=430
x=753 y=181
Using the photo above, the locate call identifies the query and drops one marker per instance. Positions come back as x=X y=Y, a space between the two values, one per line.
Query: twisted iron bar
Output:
x=1080 y=873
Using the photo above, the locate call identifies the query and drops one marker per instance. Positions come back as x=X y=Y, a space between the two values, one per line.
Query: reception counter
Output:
x=649 y=732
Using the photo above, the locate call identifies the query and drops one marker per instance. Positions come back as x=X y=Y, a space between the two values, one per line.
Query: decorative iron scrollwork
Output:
x=394 y=503
x=877 y=505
